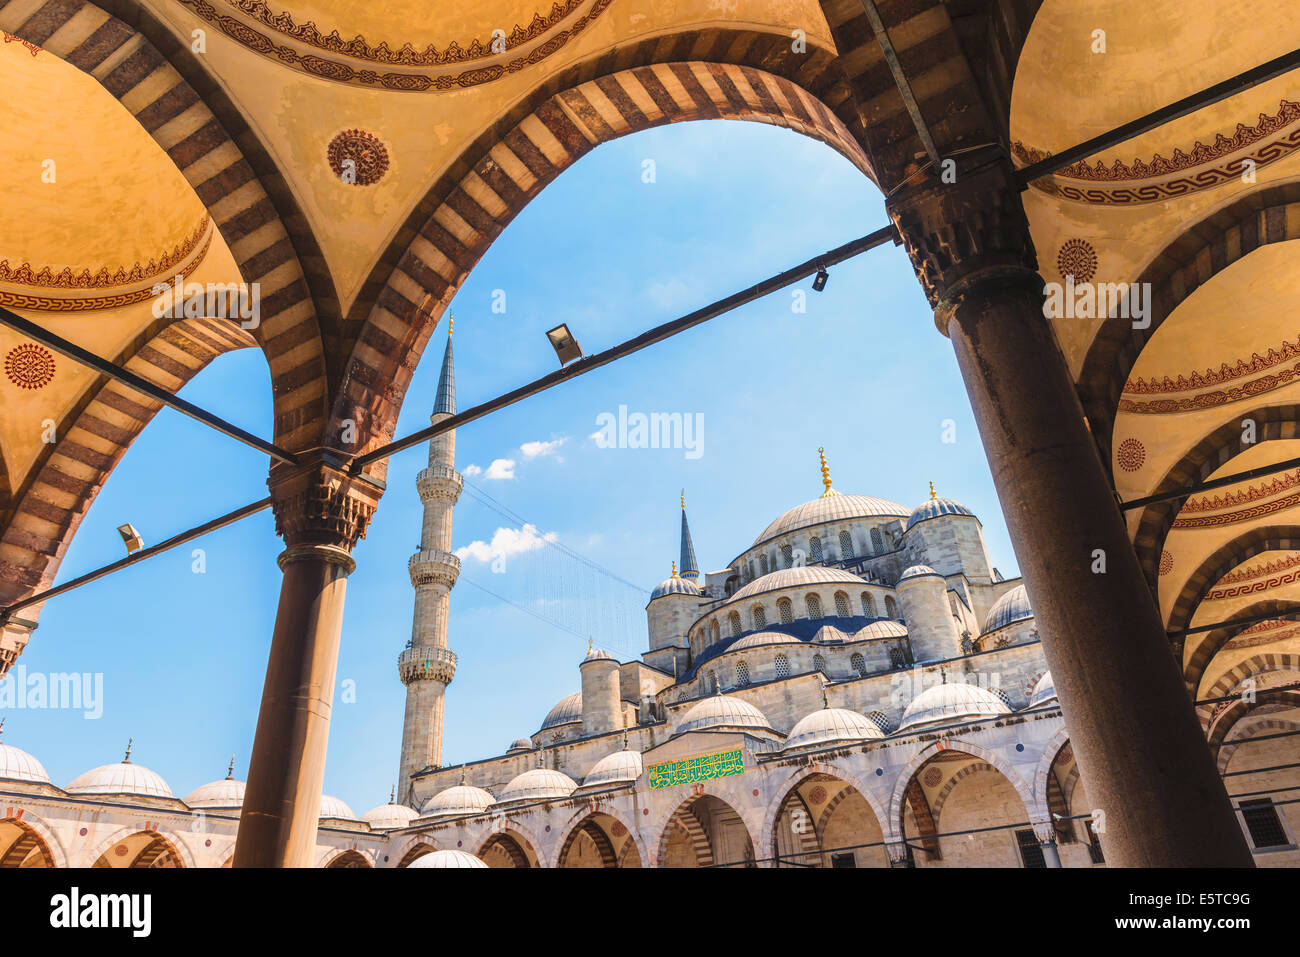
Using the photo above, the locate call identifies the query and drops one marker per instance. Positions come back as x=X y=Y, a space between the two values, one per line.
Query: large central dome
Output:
x=832 y=508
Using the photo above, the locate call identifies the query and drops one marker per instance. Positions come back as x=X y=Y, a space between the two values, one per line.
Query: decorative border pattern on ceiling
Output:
x=1286 y=352
x=1231 y=500
x=183 y=259
x=1272 y=138
x=31 y=47
x=450 y=58
x=1264 y=633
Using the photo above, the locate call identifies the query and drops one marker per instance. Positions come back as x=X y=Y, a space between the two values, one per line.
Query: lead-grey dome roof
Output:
x=797 y=577
x=1009 y=609
x=721 y=712
x=832 y=508
x=567 y=709
x=830 y=726
x=936 y=507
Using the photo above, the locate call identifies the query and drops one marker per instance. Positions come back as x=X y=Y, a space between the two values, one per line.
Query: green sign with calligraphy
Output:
x=692 y=770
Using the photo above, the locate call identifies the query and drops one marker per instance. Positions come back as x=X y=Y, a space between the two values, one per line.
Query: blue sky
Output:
x=863 y=372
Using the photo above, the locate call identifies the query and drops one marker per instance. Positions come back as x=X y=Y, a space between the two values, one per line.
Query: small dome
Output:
x=598 y=654
x=123 y=778
x=520 y=744
x=949 y=703
x=829 y=726
x=227 y=795
x=539 y=784
x=1009 y=609
x=797 y=577
x=449 y=858
x=885 y=628
x=1044 y=691
x=332 y=807
x=830 y=635
x=456 y=801
x=721 y=712
x=917 y=571
x=18 y=765
x=936 y=507
x=832 y=508
x=620 y=767
x=567 y=709
x=676 y=586
x=388 y=816
x=760 y=638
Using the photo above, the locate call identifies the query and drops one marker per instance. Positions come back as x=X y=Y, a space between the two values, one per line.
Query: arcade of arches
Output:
x=357 y=183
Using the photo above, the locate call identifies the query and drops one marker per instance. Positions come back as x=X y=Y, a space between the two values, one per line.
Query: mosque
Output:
x=858 y=687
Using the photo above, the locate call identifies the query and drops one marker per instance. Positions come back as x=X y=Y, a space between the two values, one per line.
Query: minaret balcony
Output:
x=432 y=566
x=427 y=664
x=439 y=482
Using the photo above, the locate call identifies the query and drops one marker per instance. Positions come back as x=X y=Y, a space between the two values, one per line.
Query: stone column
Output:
x=1139 y=746
x=1046 y=834
x=899 y=854
x=320 y=512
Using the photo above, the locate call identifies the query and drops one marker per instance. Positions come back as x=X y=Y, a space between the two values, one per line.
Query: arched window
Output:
x=762 y=563
x=734 y=621
x=815 y=549
x=877 y=541
x=681 y=696
x=749 y=567
x=758 y=616
x=896 y=659
x=782 y=666
x=868 y=605
x=891 y=607
x=742 y=672
x=859 y=664
x=819 y=663
x=787 y=555
x=1001 y=696
x=842 y=604
x=784 y=610
x=846 y=546
x=711 y=684
x=814 y=606
x=714 y=632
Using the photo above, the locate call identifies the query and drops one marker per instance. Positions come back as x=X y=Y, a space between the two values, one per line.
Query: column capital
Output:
x=319 y=503
x=968 y=230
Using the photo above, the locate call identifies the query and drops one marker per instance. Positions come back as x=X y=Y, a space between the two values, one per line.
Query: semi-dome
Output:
x=520 y=744
x=936 y=507
x=918 y=571
x=1009 y=609
x=332 y=807
x=949 y=703
x=885 y=628
x=620 y=767
x=831 y=726
x=18 y=765
x=227 y=795
x=567 y=709
x=537 y=785
x=760 y=638
x=388 y=816
x=722 y=712
x=458 y=800
x=797 y=577
x=1044 y=691
x=831 y=508
x=122 y=778
x=830 y=635
x=448 y=858
x=676 y=586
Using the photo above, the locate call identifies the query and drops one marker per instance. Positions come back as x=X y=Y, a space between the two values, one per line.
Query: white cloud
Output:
x=472 y=470
x=500 y=469
x=505 y=543
x=533 y=450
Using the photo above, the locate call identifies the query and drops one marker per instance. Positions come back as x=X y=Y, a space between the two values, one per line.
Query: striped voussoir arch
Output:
x=91 y=439
x=1224 y=559
x=685 y=819
x=482 y=196
x=598 y=837
x=1210 y=643
x=926 y=828
x=953 y=781
x=1271 y=215
x=1262 y=726
x=129 y=67
x=1231 y=679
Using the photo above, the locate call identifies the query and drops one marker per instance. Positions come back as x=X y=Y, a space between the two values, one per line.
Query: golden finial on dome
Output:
x=230 y=771
x=933 y=496
x=590 y=641
x=674 y=569
x=127 y=758
x=826 y=475
x=683 y=498
x=451 y=323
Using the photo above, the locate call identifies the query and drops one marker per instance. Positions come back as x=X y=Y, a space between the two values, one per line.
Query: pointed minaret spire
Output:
x=690 y=568
x=445 y=403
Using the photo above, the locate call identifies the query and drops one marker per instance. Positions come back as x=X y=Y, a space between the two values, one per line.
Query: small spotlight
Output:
x=131 y=537
x=566 y=347
x=819 y=281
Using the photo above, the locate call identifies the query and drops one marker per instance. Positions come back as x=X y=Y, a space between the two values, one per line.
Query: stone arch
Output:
x=1212 y=642
x=830 y=769
x=575 y=820
x=1223 y=560
x=1032 y=806
x=681 y=814
x=1207 y=247
x=1254 y=665
x=1229 y=744
x=173 y=839
x=951 y=783
x=1051 y=751
x=412 y=848
x=348 y=857
x=129 y=65
x=496 y=177
x=1212 y=452
x=1231 y=713
x=34 y=834
x=511 y=840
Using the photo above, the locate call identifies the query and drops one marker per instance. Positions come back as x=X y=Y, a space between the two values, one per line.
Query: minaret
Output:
x=427 y=665
x=690 y=568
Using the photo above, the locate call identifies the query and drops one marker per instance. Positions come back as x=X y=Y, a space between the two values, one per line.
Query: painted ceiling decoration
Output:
x=183 y=258
x=1260 y=500
x=1124 y=184
x=433 y=69
x=1257 y=578
x=31 y=47
x=368 y=155
x=1269 y=377
x=29 y=366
